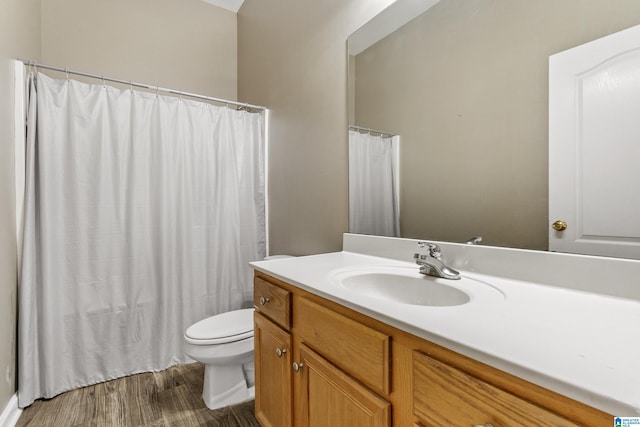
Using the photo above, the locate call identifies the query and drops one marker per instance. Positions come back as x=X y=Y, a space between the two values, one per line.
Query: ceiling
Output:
x=232 y=5
x=394 y=17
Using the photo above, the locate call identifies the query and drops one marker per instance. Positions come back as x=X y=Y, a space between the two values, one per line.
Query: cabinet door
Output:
x=273 y=374
x=332 y=398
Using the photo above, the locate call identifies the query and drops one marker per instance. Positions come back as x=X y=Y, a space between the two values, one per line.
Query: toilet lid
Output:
x=226 y=327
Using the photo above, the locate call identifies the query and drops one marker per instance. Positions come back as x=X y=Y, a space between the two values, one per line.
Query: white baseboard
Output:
x=9 y=417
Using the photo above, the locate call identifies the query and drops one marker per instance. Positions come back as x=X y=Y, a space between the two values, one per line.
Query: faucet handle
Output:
x=419 y=257
x=474 y=240
x=434 y=251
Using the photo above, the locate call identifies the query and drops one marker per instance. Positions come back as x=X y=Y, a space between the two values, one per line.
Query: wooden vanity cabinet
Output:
x=326 y=367
x=342 y=368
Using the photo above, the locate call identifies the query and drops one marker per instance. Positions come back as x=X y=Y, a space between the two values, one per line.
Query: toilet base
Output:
x=225 y=385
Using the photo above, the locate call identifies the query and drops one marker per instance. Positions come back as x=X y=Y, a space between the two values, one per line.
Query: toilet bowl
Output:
x=224 y=344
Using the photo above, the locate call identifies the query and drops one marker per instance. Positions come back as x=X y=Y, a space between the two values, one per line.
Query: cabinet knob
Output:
x=297 y=366
x=280 y=351
x=264 y=300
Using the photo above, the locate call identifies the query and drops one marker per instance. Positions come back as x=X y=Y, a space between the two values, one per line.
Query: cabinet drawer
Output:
x=443 y=395
x=272 y=301
x=357 y=349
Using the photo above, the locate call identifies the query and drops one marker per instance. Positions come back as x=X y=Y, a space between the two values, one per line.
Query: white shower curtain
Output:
x=141 y=215
x=374 y=203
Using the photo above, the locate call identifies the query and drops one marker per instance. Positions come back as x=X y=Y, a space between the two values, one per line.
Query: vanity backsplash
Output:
x=606 y=276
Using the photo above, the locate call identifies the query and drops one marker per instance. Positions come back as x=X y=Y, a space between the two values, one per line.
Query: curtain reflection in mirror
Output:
x=374 y=203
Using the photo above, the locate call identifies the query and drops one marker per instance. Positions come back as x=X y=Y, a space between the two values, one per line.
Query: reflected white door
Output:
x=594 y=147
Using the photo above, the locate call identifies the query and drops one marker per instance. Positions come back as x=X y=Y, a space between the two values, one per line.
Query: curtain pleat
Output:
x=141 y=215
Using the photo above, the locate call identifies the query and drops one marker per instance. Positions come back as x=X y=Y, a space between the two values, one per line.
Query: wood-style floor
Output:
x=169 y=398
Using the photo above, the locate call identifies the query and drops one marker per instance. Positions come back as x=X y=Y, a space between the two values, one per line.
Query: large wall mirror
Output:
x=464 y=83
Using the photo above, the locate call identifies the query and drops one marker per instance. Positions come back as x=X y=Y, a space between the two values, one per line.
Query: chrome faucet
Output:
x=431 y=264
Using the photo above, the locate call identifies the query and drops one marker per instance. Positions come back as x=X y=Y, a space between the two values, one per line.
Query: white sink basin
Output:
x=405 y=286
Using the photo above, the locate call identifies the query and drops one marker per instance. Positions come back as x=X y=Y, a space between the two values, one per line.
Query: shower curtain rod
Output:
x=368 y=130
x=143 y=85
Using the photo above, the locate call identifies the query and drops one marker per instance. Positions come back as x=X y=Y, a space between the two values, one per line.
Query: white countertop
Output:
x=580 y=344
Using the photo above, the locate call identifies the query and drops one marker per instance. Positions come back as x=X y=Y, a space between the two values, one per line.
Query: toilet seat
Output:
x=222 y=328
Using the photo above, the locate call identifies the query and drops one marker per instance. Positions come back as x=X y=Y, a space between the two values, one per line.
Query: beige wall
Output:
x=187 y=45
x=19 y=37
x=466 y=86
x=292 y=58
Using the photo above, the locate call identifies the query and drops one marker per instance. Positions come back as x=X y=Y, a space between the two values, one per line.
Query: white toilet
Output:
x=224 y=344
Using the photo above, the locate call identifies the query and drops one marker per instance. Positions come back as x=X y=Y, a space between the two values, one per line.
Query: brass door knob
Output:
x=559 y=225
